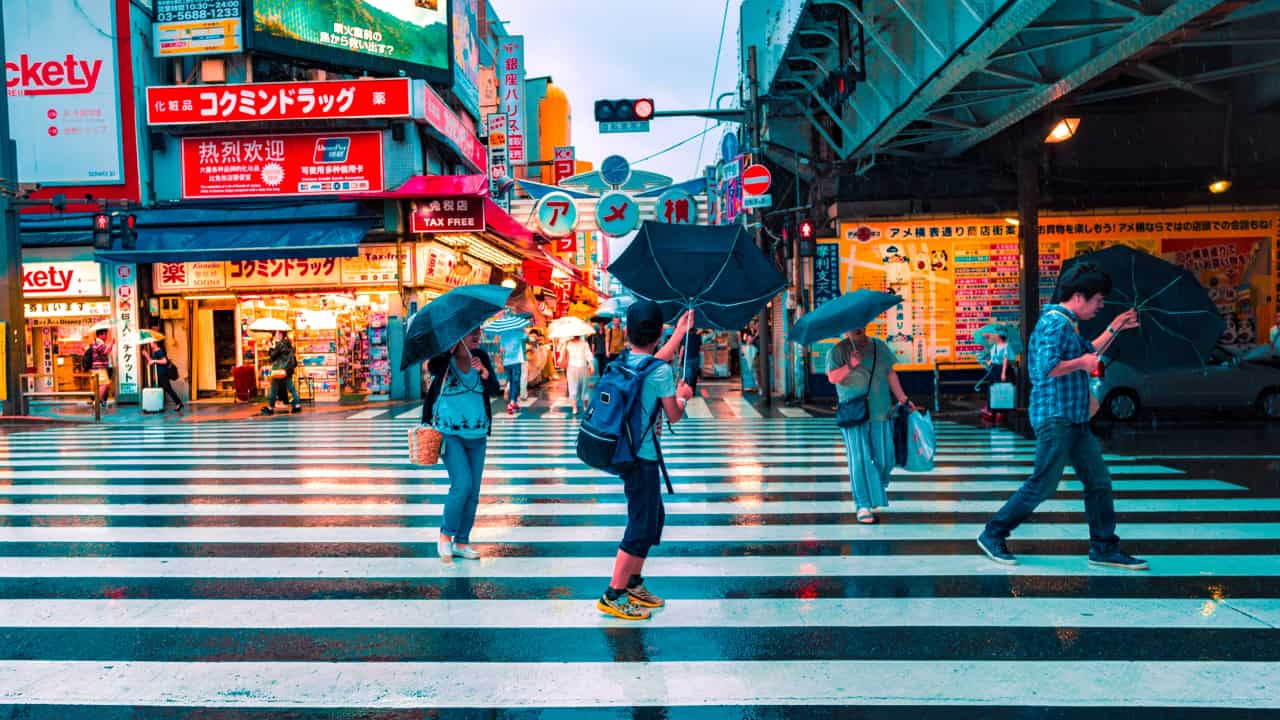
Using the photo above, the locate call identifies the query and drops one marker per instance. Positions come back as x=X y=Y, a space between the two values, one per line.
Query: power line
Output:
x=689 y=139
x=715 y=74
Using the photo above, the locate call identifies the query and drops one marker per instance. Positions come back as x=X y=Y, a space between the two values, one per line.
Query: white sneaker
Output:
x=467 y=553
x=444 y=548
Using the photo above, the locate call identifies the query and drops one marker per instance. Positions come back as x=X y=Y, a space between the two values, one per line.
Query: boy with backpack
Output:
x=619 y=435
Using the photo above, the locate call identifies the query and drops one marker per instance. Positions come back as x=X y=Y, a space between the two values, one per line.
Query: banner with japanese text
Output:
x=128 y=361
x=376 y=265
x=957 y=274
x=281 y=165
x=511 y=96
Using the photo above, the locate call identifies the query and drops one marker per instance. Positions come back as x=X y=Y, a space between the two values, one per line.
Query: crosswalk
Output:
x=286 y=568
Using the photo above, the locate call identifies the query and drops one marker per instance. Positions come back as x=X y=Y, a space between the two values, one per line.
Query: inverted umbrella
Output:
x=445 y=321
x=1011 y=334
x=836 y=317
x=698 y=267
x=269 y=324
x=569 y=327
x=1179 y=323
x=728 y=319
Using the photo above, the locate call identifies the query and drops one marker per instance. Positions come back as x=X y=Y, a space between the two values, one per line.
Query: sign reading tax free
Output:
x=281 y=165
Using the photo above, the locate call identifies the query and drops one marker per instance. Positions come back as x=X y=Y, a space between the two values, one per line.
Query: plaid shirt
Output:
x=1054 y=340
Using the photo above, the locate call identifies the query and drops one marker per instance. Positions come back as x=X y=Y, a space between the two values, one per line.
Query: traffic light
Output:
x=808 y=246
x=624 y=110
x=102 y=231
x=129 y=232
x=806 y=230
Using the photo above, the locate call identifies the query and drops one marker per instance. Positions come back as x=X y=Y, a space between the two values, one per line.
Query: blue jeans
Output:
x=514 y=372
x=464 y=461
x=1058 y=442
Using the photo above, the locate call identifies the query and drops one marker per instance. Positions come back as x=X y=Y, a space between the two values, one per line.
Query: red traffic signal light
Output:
x=806 y=230
x=624 y=110
x=102 y=231
x=642 y=108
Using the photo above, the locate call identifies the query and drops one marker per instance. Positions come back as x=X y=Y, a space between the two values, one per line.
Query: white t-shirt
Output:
x=579 y=354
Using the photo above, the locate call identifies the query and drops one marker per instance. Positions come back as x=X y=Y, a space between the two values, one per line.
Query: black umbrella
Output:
x=1180 y=325
x=445 y=321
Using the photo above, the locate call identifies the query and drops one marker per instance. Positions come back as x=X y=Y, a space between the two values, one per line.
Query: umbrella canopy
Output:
x=145 y=337
x=729 y=319
x=509 y=322
x=837 y=317
x=569 y=327
x=615 y=306
x=269 y=324
x=699 y=267
x=1012 y=334
x=1180 y=324
x=445 y=321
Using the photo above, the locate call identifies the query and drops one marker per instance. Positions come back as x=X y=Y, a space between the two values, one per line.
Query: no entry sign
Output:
x=756 y=180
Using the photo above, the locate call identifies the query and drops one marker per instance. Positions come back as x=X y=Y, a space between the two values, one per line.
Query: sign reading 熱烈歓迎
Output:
x=281 y=165
x=259 y=102
x=511 y=95
x=64 y=99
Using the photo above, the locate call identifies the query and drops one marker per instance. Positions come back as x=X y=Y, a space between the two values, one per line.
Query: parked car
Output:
x=1227 y=381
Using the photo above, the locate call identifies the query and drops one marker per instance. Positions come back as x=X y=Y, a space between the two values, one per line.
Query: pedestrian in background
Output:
x=862 y=367
x=599 y=347
x=513 y=355
x=101 y=352
x=749 y=351
x=166 y=371
x=578 y=369
x=463 y=383
x=1060 y=362
x=615 y=339
x=280 y=356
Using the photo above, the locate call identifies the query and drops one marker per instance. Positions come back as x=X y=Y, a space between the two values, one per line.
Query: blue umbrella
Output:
x=1180 y=324
x=445 y=321
x=730 y=319
x=715 y=269
x=837 y=317
x=510 y=322
x=1012 y=335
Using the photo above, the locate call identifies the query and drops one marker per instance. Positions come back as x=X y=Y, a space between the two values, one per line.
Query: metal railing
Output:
x=61 y=395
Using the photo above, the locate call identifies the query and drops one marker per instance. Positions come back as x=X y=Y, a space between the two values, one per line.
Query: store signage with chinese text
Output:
x=454 y=214
x=438 y=264
x=62 y=279
x=565 y=164
x=376 y=265
x=197 y=27
x=498 y=161
x=64 y=99
x=511 y=95
x=124 y=283
x=261 y=102
x=281 y=165
x=446 y=122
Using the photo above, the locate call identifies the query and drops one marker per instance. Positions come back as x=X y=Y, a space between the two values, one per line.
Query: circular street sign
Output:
x=557 y=214
x=615 y=170
x=617 y=214
x=756 y=179
x=676 y=207
x=729 y=146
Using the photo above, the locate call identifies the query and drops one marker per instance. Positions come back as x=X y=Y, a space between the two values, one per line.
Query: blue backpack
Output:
x=614 y=423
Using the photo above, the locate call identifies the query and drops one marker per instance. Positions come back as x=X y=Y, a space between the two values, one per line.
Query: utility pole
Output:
x=765 y=338
x=11 y=310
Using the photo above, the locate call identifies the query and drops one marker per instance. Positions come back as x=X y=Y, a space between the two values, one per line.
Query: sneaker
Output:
x=641 y=596
x=268 y=411
x=621 y=608
x=511 y=408
x=468 y=552
x=297 y=409
x=866 y=517
x=444 y=548
x=996 y=550
x=1117 y=559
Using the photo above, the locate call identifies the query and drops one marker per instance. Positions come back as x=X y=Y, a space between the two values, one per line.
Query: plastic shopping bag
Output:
x=1002 y=396
x=921 y=442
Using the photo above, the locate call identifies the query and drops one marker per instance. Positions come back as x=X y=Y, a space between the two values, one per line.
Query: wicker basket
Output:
x=424 y=445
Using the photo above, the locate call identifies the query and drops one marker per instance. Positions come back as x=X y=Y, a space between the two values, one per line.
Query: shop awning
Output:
x=261 y=241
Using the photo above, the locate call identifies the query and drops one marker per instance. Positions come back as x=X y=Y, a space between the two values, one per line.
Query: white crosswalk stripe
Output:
x=289 y=566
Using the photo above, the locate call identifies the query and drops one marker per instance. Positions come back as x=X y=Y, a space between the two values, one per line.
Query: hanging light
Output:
x=1219 y=186
x=1063 y=131
x=509 y=283
x=1013 y=221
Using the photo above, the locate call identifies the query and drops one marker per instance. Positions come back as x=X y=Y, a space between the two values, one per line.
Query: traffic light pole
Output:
x=11 y=310
x=765 y=338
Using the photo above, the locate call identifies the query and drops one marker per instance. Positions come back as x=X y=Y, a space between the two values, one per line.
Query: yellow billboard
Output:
x=956 y=274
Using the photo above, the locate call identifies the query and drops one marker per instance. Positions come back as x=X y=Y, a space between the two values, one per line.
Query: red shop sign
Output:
x=447 y=123
x=258 y=102
x=536 y=272
x=453 y=214
x=281 y=165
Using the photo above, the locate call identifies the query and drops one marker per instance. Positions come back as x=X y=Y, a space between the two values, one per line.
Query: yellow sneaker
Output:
x=621 y=608
x=641 y=596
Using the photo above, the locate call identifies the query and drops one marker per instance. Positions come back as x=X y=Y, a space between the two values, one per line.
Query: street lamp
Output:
x=1063 y=131
x=1219 y=186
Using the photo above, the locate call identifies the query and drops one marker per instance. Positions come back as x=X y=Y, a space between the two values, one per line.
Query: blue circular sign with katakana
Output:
x=557 y=215
x=615 y=170
x=617 y=214
x=676 y=207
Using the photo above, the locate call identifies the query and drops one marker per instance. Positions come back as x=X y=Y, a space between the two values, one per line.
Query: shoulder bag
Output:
x=857 y=411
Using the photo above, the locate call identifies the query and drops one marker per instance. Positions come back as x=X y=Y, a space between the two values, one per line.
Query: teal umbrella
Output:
x=837 y=317
x=1010 y=333
x=445 y=321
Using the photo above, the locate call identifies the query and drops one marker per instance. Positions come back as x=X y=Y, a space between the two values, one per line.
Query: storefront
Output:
x=64 y=299
x=339 y=310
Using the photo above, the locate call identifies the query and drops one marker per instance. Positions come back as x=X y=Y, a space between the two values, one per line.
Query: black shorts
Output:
x=645 y=514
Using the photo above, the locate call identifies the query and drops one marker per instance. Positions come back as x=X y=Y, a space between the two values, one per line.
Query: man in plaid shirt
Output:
x=1061 y=363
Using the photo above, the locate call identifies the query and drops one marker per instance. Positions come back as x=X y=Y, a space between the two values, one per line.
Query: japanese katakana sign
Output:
x=376 y=265
x=454 y=214
x=281 y=165
x=259 y=102
x=617 y=214
x=556 y=214
x=124 y=295
x=511 y=95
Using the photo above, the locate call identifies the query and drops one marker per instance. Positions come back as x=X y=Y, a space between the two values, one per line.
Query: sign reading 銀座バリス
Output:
x=511 y=95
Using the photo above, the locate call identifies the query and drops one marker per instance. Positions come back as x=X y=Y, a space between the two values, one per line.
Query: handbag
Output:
x=857 y=411
x=1002 y=396
x=278 y=374
x=424 y=445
